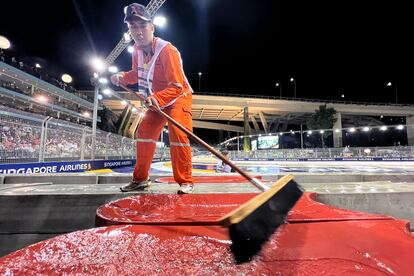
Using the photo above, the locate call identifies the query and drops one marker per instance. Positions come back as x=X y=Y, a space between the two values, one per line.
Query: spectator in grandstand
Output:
x=157 y=68
x=221 y=166
x=14 y=61
x=2 y=55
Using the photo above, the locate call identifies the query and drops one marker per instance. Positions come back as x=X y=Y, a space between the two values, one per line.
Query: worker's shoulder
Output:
x=169 y=49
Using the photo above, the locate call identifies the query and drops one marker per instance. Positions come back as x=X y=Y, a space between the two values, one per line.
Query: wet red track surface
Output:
x=212 y=179
x=369 y=247
x=317 y=240
x=207 y=208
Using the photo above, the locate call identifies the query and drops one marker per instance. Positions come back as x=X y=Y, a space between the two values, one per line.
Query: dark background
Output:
x=242 y=47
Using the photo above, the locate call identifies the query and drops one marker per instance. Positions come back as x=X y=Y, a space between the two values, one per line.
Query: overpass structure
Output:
x=269 y=114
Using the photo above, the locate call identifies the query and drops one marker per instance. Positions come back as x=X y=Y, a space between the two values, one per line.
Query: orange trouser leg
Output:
x=179 y=143
x=148 y=133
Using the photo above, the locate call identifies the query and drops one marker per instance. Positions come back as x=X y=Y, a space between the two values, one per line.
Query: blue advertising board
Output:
x=329 y=159
x=63 y=167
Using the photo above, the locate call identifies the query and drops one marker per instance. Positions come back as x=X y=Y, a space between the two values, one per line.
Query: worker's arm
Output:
x=174 y=76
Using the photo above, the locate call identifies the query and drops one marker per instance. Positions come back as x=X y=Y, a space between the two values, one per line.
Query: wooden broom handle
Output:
x=254 y=181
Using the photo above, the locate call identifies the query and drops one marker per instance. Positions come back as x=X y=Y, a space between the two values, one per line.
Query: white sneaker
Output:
x=136 y=186
x=186 y=188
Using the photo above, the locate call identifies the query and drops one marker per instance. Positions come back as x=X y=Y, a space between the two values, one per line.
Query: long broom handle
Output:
x=254 y=181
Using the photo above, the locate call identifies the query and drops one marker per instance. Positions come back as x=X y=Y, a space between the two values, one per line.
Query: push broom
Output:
x=251 y=224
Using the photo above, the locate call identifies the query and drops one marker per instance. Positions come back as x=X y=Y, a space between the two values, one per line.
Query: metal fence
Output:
x=27 y=137
x=345 y=152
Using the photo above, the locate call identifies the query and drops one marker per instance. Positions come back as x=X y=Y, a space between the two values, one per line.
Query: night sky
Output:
x=242 y=47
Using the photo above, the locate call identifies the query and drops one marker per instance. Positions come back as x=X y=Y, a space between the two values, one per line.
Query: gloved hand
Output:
x=117 y=78
x=152 y=103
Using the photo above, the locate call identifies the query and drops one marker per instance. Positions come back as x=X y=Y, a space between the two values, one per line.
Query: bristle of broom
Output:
x=249 y=235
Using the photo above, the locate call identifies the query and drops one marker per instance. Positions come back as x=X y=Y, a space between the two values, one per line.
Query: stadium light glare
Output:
x=113 y=69
x=4 y=43
x=37 y=65
x=66 y=78
x=160 y=21
x=86 y=114
x=100 y=97
x=130 y=49
x=337 y=130
x=310 y=132
x=366 y=129
x=134 y=109
x=95 y=75
x=127 y=37
x=322 y=131
x=124 y=103
x=400 y=127
x=41 y=99
x=352 y=129
x=103 y=80
x=98 y=64
x=107 y=91
x=383 y=128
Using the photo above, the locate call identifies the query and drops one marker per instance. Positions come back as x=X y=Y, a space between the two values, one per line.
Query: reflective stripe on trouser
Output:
x=148 y=133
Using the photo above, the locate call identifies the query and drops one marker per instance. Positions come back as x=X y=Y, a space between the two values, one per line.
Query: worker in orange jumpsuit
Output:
x=157 y=68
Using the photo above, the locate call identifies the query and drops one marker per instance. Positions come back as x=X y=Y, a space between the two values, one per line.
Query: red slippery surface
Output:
x=207 y=208
x=371 y=247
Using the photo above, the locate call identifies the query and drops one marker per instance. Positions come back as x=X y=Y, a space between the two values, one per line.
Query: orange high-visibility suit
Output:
x=174 y=95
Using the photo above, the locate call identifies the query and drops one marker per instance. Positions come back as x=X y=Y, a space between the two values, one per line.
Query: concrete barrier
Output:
x=109 y=179
x=70 y=178
x=25 y=219
x=399 y=205
x=12 y=242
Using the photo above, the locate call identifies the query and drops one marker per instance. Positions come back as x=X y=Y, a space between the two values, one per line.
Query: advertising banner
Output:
x=63 y=167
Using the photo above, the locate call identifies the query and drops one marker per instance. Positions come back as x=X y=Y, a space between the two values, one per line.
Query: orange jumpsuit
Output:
x=168 y=84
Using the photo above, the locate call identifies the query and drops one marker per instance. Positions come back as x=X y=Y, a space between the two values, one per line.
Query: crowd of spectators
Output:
x=20 y=141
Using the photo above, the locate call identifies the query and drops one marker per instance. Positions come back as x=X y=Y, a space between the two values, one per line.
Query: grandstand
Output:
x=24 y=91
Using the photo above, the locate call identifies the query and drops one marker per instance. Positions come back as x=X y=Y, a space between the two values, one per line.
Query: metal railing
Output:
x=27 y=137
x=345 y=152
